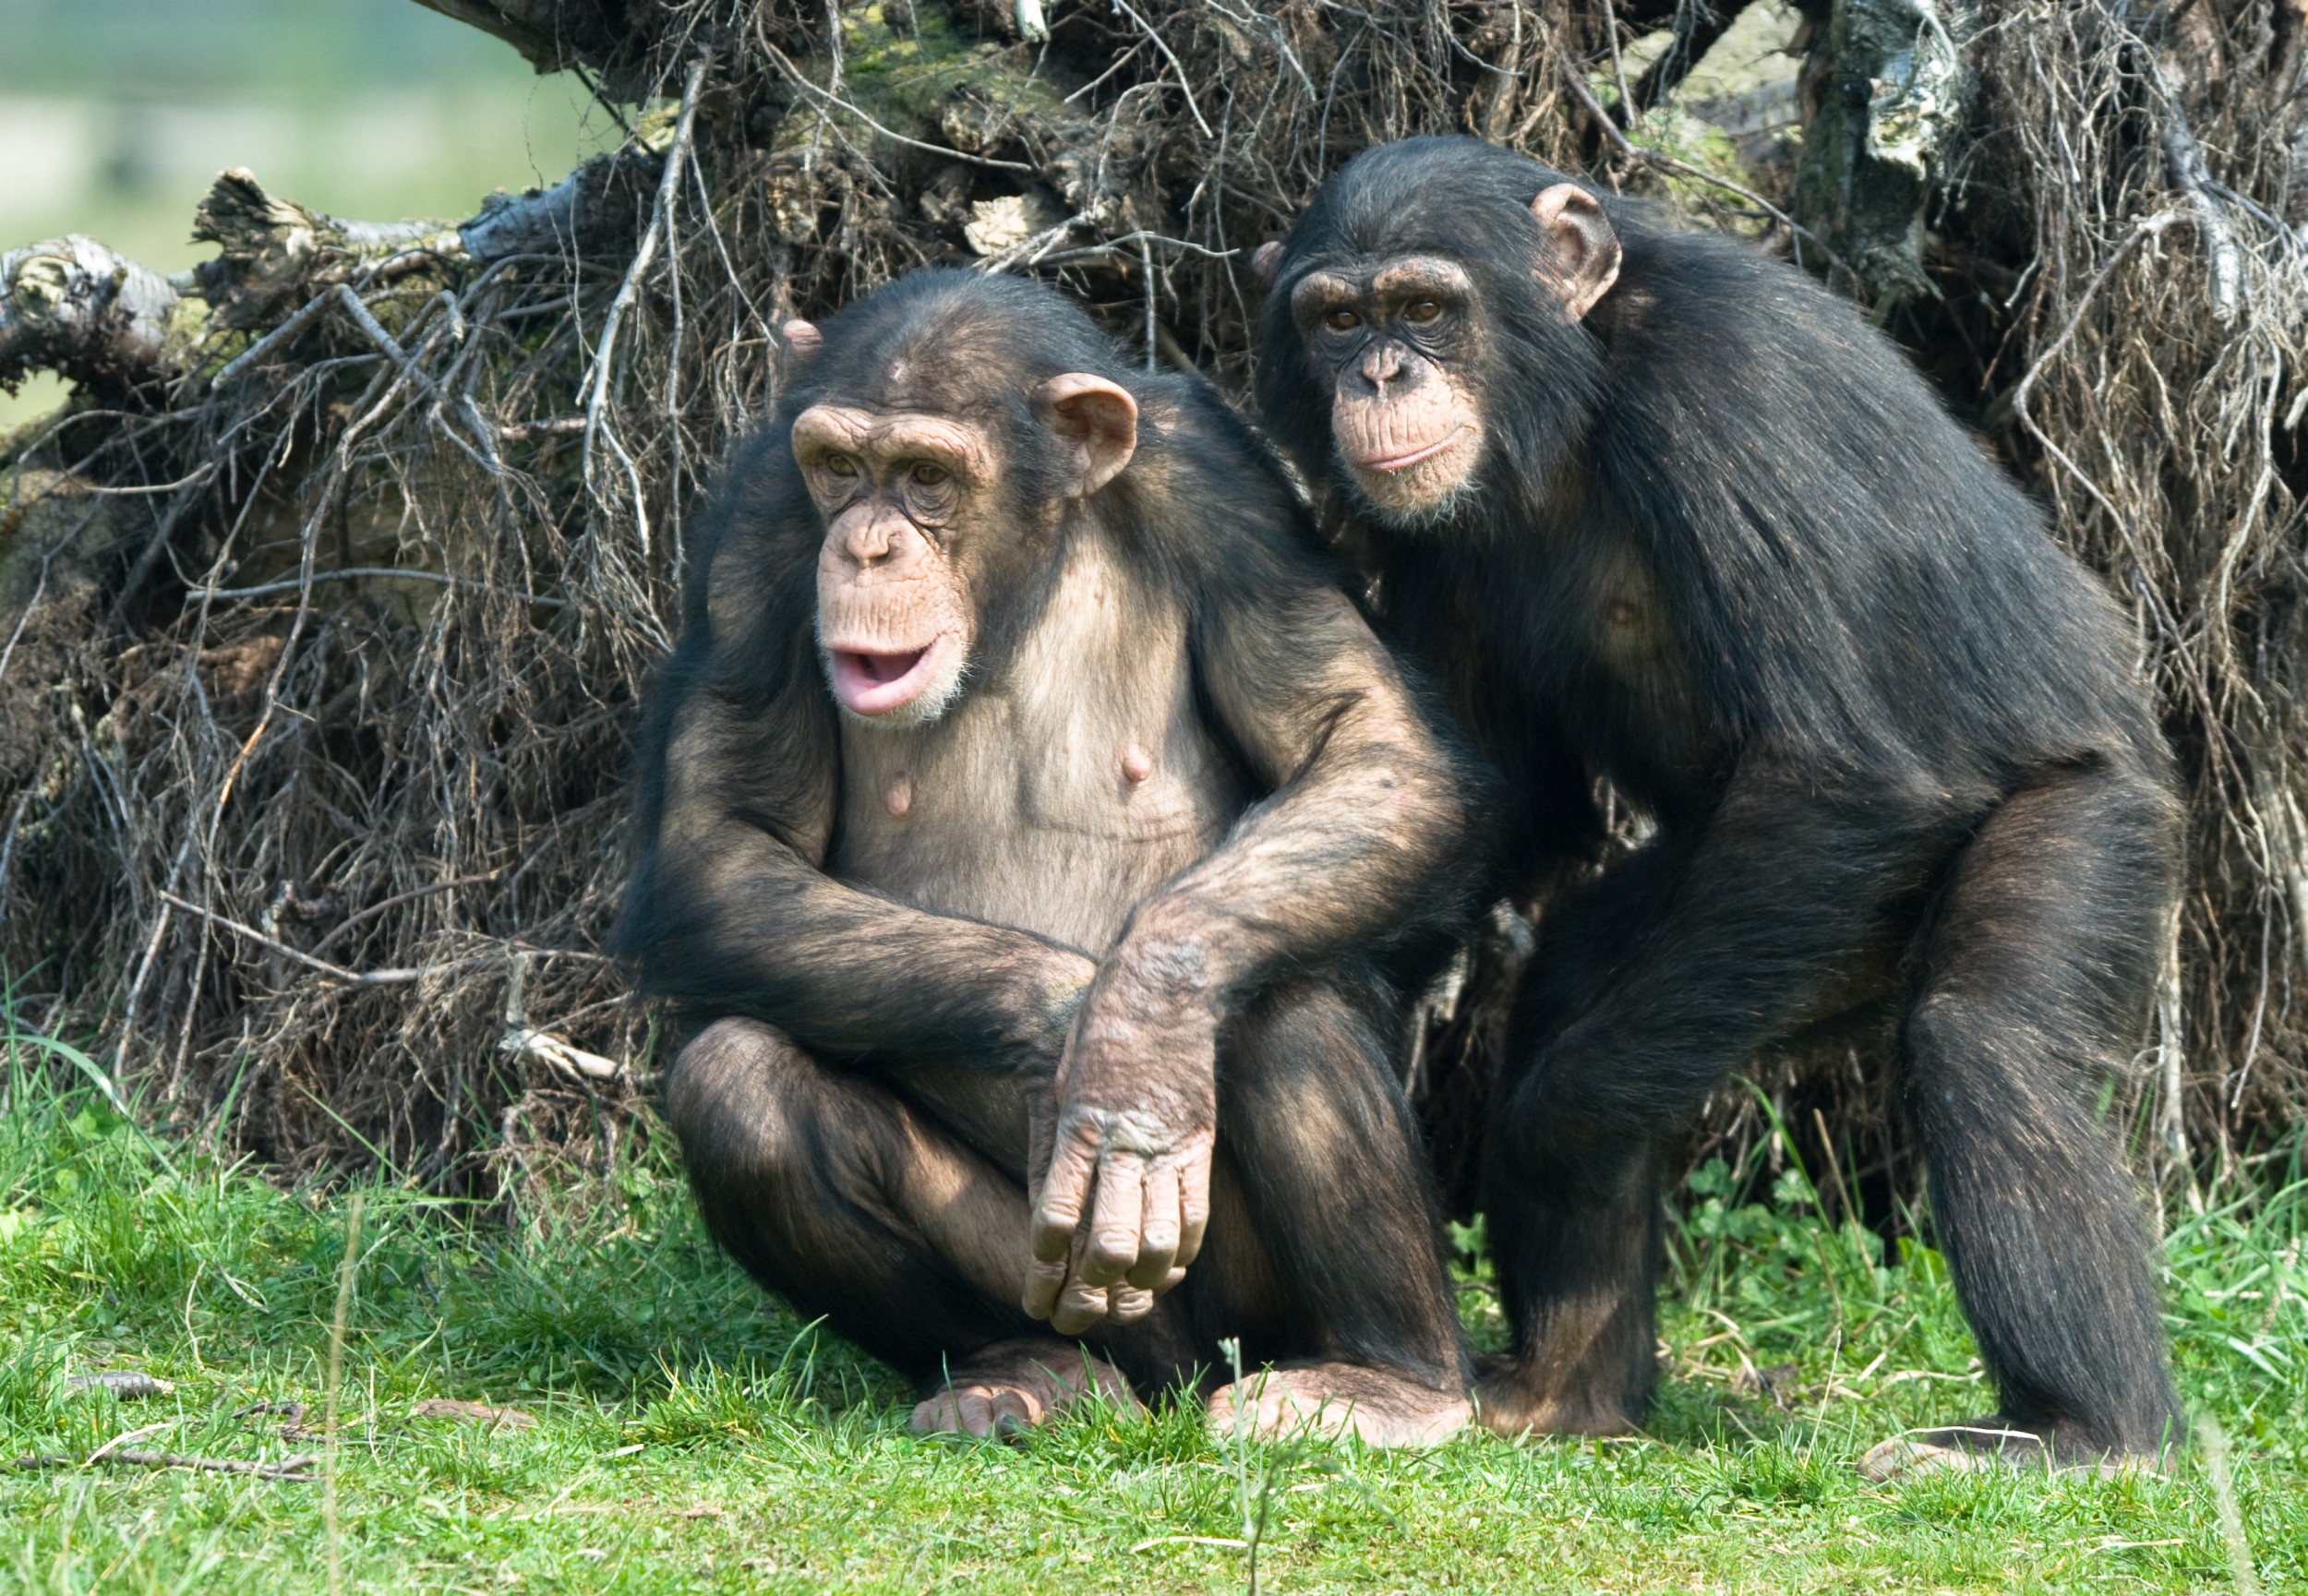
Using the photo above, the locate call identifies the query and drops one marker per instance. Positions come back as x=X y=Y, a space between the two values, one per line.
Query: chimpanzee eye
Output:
x=1422 y=312
x=1341 y=320
x=840 y=466
x=930 y=475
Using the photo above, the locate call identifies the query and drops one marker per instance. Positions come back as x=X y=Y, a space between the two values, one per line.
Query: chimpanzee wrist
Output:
x=1052 y=1000
x=1171 y=958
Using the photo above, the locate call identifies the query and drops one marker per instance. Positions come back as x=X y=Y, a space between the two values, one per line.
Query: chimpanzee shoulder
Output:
x=1870 y=581
x=1235 y=527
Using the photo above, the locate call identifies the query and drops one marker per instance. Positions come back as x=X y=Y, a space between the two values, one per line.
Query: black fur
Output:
x=1730 y=553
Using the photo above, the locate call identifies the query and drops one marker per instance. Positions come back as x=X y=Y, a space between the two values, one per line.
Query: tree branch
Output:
x=73 y=307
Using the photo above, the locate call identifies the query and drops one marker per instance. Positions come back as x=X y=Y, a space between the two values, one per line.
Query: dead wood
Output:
x=324 y=605
x=297 y=1467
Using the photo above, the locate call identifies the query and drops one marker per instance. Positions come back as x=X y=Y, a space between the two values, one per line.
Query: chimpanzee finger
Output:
x=1157 y=1229
x=1114 y=1218
x=1043 y=1282
x=976 y=1415
x=1193 y=1204
x=1080 y=1303
x=1066 y=1193
x=1078 y=1307
x=1127 y=1304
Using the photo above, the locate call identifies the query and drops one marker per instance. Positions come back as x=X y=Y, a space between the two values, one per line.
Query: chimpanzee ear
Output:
x=1099 y=418
x=1267 y=261
x=803 y=339
x=1585 y=262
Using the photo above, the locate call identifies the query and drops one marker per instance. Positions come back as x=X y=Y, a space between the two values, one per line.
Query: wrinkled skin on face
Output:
x=893 y=621
x=1400 y=338
x=903 y=494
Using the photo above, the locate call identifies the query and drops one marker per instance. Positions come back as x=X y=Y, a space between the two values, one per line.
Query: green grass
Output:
x=695 y=1437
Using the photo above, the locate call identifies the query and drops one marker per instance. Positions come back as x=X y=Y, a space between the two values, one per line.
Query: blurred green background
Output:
x=117 y=114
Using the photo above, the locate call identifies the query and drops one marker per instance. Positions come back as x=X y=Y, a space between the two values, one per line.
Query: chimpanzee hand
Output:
x=1125 y=1147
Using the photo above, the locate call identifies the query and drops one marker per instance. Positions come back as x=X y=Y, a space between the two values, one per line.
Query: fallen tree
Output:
x=324 y=602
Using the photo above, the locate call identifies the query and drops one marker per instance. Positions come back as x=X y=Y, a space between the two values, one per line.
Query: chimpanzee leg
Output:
x=1574 y=1231
x=1338 y=1229
x=2033 y=978
x=851 y=1203
x=1645 y=993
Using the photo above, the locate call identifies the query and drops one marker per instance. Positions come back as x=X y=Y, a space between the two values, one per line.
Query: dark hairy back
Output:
x=1869 y=587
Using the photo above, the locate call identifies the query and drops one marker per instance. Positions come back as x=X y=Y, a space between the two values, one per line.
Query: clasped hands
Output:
x=1121 y=1147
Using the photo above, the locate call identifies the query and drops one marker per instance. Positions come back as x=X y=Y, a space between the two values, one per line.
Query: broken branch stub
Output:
x=73 y=307
x=556 y=35
x=273 y=254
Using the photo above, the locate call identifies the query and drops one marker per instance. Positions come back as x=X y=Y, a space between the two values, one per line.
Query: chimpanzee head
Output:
x=1423 y=340
x=945 y=427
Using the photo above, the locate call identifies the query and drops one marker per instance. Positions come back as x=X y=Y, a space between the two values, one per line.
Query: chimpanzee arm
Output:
x=1364 y=825
x=1364 y=837
x=731 y=912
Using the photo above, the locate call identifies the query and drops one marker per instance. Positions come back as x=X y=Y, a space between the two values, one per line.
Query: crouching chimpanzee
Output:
x=1024 y=796
x=1660 y=512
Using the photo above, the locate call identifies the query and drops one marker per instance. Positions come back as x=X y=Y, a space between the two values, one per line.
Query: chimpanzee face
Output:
x=1394 y=338
x=892 y=613
x=917 y=513
x=1401 y=339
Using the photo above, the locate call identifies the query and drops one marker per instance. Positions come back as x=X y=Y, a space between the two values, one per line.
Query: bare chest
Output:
x=1064 y=785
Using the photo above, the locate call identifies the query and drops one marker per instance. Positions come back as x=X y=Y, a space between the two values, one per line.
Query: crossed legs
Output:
x=894 y=1205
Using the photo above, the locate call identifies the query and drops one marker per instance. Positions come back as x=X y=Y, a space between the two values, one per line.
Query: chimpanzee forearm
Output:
x=1366 y=836
x=747 y=926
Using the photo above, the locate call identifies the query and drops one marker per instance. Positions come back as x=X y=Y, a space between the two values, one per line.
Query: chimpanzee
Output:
x=1024 y=782
x=1660 y=513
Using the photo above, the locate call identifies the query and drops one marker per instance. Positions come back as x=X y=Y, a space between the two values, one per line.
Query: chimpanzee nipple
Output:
x=1137 y=764
x=899 y=795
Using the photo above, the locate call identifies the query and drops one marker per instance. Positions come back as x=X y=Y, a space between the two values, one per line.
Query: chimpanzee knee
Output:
x=797 y=1176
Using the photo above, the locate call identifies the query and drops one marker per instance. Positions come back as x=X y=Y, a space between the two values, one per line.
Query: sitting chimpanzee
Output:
x=1023 y=783
x=1658 y=511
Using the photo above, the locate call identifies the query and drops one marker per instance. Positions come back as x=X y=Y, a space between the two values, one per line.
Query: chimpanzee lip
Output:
x=1403 y=462
x=879 y=681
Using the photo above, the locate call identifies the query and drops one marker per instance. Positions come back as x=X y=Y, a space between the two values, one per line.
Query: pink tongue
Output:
x=888 y=667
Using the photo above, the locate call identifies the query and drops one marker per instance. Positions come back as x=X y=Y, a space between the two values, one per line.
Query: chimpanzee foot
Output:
x=1378 y=1408
x=1995 y=1443
x=1509 y=1402
x=1011 y=1387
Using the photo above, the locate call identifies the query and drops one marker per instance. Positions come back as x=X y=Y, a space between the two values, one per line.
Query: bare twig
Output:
x=604 y=351
x=371 y=572
x=2183 y=158
x=296 y=1468
x=361 y=917
x=334 y=972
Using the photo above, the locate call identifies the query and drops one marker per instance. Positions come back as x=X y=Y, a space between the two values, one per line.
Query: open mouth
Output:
x=1404 y=461
x=874 y=683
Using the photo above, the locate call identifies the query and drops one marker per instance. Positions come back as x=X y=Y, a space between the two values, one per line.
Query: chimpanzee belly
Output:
x=1058 y=795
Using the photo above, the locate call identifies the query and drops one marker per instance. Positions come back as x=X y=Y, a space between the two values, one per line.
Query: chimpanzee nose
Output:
x=1381 y=365
x=873 y=537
